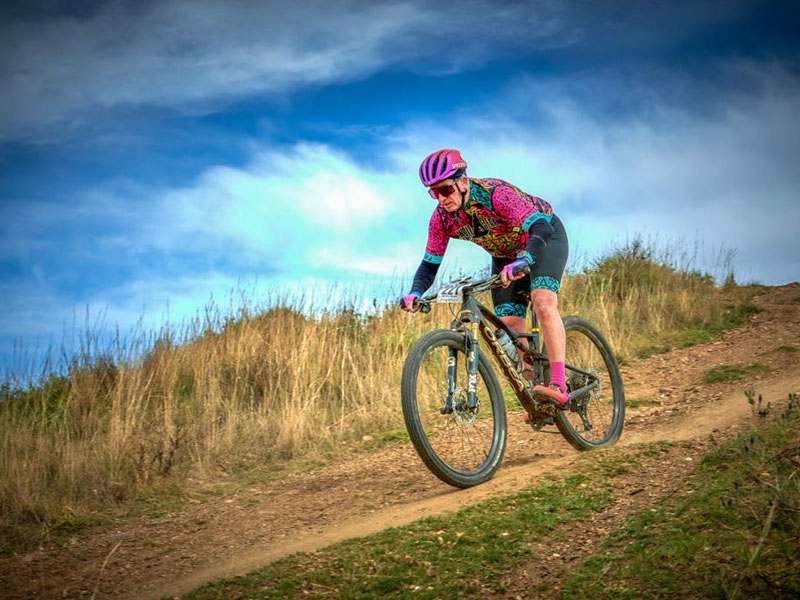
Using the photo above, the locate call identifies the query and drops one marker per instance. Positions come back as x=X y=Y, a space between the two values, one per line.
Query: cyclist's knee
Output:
x=545 y=304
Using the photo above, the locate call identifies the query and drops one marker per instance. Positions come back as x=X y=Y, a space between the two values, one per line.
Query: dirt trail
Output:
x=222 y=537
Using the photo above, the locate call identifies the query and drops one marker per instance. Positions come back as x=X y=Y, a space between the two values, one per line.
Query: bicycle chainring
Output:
x=577 y=381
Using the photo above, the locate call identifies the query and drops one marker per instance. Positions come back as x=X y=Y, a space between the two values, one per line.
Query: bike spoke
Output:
x=462 y=438
x=595 y=412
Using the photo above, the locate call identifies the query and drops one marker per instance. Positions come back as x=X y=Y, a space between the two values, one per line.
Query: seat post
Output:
x=534 y=330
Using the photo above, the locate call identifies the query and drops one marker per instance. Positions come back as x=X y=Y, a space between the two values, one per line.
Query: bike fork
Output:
x=472 y=372
x=452 y=372
x=472 y=377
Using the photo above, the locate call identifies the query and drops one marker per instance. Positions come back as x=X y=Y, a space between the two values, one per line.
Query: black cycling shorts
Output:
x=546 y=274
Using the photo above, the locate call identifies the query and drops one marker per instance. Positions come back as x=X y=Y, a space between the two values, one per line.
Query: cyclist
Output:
x=517 y=229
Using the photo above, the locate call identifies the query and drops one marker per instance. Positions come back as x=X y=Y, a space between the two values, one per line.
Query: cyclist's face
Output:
x=447 y=194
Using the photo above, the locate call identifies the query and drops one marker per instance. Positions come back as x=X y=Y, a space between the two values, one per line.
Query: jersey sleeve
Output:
x=437 y=241
x=434 y=253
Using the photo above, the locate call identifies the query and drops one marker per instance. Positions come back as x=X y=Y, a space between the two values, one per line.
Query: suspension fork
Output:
x=452 y=373
x=467 y=323
x=472 y=370
x=471 y=350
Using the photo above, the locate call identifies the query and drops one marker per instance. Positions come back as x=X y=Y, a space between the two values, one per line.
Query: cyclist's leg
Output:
x=545 y=304
x=511 y=303
x=545 y=284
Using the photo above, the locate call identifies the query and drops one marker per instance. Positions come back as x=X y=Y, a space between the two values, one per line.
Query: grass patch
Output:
x=637 y=403
x=736 y=316
x=686 y=337
x=451 y=555
x=786 y=349
x=666 y=341
x=463 y=554
x=733 y=372
x=381 y=440
x=660 y=447
x=735 y=536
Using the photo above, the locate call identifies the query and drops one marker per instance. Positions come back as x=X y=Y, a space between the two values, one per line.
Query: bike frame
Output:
x=476 y=320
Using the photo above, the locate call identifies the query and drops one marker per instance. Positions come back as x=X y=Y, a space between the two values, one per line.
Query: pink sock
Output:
x=557 y=375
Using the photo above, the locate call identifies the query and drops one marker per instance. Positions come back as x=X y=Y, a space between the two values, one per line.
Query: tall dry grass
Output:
x=647 y=298
x=259 y=391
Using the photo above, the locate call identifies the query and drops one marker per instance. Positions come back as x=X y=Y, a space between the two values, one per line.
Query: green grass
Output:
x=731 y=533
x=636 y=403
x=734 y=536
x=383 y=439
x=733 y=372
x=658 y=448
x=665 y=341
x=736 y=316
x=462 y=554
x=788 y=349
x=456 y=555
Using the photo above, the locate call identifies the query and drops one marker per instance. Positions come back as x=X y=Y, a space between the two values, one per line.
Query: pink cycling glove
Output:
x=408 y=301
x=507 y=274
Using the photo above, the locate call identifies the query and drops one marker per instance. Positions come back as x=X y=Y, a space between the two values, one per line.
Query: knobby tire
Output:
x=449 y=444
x=607 y=411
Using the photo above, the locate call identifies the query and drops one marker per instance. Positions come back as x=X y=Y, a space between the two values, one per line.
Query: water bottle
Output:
x=508 y=347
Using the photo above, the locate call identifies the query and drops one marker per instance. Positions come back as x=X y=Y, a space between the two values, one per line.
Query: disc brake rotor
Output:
x=462 y=413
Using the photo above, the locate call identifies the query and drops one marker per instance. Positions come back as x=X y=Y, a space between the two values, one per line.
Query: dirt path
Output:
x=228 y=536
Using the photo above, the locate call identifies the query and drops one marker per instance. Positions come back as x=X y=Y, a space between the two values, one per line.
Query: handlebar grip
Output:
x=525 y=269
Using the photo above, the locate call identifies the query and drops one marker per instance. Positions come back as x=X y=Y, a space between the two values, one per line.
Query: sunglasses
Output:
x=442 y=190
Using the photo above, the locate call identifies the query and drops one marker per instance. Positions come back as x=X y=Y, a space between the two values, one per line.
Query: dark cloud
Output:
x=66 y=65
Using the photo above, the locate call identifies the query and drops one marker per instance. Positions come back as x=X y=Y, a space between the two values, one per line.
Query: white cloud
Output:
x=286 y=206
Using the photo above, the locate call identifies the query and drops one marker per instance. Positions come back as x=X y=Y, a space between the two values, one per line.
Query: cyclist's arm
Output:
x=539 y=232
x=423 y=278
x=434 y=253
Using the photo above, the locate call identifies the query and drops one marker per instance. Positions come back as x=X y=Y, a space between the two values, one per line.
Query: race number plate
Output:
x=450 y=295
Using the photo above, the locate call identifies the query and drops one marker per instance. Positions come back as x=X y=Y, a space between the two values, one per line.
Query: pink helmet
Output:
x=441 y=165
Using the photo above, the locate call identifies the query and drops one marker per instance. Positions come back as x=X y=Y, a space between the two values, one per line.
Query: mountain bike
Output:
x=453 y=404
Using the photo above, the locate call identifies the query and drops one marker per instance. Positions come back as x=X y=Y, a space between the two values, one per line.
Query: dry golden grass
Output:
x=263 y=390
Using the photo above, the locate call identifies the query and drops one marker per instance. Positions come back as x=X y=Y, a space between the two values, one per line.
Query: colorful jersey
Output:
x=497 y=218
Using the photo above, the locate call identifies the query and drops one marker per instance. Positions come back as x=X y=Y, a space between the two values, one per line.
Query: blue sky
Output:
x=156 y=154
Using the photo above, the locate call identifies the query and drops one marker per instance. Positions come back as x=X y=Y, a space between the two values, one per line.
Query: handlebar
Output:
x=479 y=286
x=524 y=269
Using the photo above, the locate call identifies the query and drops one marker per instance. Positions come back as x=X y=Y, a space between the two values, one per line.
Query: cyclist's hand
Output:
x=513 y=271
x=409 y=302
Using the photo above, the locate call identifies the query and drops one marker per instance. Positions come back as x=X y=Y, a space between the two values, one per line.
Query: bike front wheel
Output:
x=461 y=445
x=595 y=418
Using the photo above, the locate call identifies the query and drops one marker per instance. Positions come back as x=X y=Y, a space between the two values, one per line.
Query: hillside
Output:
x=218 y=536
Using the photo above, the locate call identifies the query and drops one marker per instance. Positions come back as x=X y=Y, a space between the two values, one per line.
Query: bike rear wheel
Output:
x=463 y=447
x=596 y=418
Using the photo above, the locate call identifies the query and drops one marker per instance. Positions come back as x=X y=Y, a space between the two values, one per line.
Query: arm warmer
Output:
x=426 y=273
x=539 y=232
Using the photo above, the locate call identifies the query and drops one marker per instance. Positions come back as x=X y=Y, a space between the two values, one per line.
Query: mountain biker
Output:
x=517 y=229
